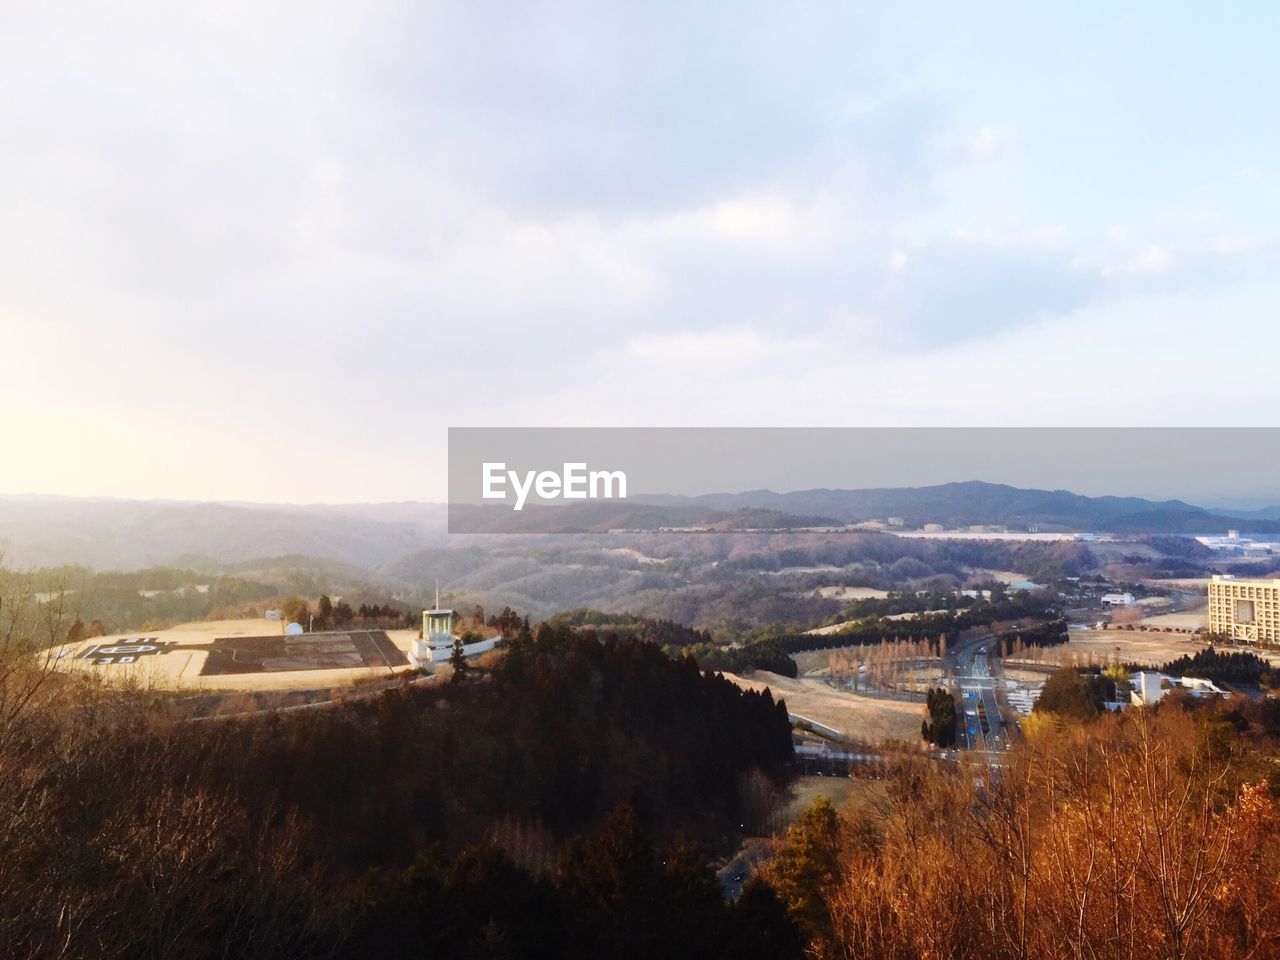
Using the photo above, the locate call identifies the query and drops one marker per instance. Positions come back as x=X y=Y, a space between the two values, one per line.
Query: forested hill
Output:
x=960 y=504
x=546 y=805
x=132 y=534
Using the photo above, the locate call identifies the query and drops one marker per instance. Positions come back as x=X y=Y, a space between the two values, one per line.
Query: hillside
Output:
x=130 y=534
x=975 y=501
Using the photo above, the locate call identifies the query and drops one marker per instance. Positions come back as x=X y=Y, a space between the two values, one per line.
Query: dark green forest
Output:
x=1230 y=666
x=939 y=724
x=565 y=802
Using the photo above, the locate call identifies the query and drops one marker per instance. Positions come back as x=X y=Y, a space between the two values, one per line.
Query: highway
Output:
x=982 y=726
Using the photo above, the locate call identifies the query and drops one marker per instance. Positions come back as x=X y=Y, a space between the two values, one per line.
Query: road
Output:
x=733 y=876
x=983 y=724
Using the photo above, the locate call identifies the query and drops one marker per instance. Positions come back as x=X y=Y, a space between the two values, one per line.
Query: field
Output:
x=1135 y=646
x=1000 y=576
x=326 y=651
x=859 y=718
x=831 y=628
x=1193 y=584
x=837 y=627
x=852 y=794
x=812 y=662
x=1186 y=619
x=850 y=593
x=246 y=655
x=1150 y=649
x=1025 y=676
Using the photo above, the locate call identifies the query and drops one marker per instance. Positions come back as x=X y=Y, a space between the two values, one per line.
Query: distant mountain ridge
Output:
x=128 y=534
x=975 y=501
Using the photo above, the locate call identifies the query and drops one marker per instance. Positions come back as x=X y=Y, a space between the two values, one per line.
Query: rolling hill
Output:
x=970 y=502
x=131 y=534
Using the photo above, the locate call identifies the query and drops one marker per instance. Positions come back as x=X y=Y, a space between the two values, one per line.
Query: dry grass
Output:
x=1197 y=584
x=850 y=795
x=857 y=717
x=1001 y=576
x=1102 y=646
x=814 y=663
x=830 y=628
x=1186 y=619
x=850 y=593
x=912 y=614
x=1026 y=677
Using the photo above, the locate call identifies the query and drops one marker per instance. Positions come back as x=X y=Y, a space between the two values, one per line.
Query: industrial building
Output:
x=1117 y=600
x=1245 y=610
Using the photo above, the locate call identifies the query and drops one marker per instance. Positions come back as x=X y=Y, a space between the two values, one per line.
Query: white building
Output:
x=1150 y=687
x=1234 y=543
x=1117 y=599
x=436 y=643
x=1245 y=609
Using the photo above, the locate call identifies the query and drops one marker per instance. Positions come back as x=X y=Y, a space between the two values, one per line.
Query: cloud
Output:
x=373 y=220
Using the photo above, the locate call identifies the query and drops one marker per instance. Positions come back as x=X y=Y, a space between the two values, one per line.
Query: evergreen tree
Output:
x=458 y=660
x=939 y=726
x=762 y=928
x=807 y=864
x=616 y=886
x=1067 y=693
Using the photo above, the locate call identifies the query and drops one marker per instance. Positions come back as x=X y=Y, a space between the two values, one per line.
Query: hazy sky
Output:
x=271 y=250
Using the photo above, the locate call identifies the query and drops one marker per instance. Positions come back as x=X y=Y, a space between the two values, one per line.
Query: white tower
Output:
x=436 y=642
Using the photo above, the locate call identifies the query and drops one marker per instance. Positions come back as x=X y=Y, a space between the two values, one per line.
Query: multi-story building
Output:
x=1245 y=610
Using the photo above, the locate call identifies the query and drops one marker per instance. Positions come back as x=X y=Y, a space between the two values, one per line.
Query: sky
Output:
x=272 y=251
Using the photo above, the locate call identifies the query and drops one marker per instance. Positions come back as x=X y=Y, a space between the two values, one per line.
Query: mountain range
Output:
x=129 y=534
x=961 y=504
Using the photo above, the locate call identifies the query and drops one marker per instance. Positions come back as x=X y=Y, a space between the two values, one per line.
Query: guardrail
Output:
x=798 y=720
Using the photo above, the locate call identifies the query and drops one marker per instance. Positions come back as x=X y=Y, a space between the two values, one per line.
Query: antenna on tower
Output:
x=437 y=593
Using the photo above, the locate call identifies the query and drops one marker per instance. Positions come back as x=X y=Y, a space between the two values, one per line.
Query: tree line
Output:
x=1232 y=666
x=327 y=615
x=936 y=630
x=1051 y=633
x=666 y=633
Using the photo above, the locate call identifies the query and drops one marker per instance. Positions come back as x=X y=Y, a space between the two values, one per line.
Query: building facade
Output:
x=436 y=643
x=1245 y=610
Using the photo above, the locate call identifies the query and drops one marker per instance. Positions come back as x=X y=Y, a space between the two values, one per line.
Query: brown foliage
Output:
x=1135 y=838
